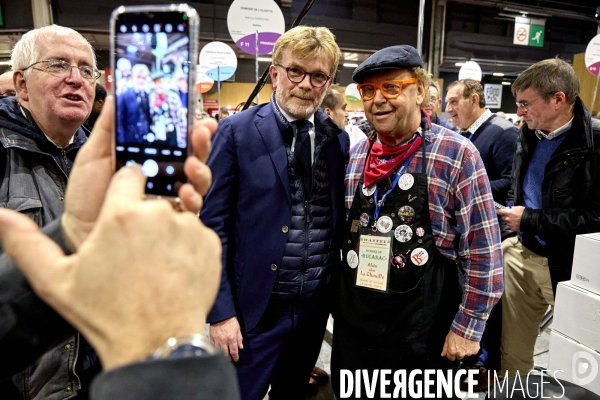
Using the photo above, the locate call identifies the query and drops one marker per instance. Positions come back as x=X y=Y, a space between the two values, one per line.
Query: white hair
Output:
x=26 y=51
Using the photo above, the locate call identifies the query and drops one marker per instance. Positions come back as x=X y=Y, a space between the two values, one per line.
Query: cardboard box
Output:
x=574 y=362
x=586 y=258
x=577 y=314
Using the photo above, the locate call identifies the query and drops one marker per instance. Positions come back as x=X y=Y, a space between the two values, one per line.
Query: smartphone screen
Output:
x=152 y=65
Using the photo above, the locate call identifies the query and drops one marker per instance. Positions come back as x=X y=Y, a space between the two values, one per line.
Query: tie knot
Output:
x=302 y=125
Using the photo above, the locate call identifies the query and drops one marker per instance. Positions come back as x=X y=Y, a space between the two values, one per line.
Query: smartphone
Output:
x=499 y=206
x=153 y=57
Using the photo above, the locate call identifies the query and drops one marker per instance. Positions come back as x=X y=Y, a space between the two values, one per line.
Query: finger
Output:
x=190 y=199
x=198 y=174
x=445 y=349
x=201 y=135
x=100 y=142
x=233 y=351
x=501 y=212
x=239 y=340
x=19 y=235
x=126 y=187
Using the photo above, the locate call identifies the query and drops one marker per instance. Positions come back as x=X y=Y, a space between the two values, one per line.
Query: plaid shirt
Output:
x=462 y=212
x=176 y=114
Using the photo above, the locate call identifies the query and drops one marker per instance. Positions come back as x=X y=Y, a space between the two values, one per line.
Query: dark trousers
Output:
x=282 y=349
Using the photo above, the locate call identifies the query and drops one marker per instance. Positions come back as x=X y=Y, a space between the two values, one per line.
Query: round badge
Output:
x=406 y=181
x=403 y=233
x=399 y=261
x=384 y=224
x=364 y=220
x=406 y=214
x=420 y=232
x=368 y=191
x=352 y=259
x=419 y=256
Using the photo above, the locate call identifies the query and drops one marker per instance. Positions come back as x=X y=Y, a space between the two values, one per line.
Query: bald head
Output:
x=7 y=87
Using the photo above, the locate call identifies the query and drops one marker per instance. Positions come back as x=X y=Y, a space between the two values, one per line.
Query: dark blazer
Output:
x=249 y=205
x=133 y=120
x=570 y=190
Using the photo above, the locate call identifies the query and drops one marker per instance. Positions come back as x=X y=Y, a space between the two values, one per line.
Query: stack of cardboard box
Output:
x=575 y=335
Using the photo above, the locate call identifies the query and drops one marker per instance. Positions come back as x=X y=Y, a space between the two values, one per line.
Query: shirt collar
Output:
x=479 y=121
x=554 y=134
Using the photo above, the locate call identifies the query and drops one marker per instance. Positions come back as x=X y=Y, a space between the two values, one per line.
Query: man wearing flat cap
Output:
x=420 y=219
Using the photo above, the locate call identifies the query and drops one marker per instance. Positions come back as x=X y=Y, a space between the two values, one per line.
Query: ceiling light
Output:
x=459 y=64
x=350 y=65
x=498 y=74
x=6 y=62
x=264 y=59
x=506 y=83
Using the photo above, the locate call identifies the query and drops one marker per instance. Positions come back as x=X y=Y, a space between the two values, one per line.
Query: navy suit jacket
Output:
x=133 y=122
x=249 y=204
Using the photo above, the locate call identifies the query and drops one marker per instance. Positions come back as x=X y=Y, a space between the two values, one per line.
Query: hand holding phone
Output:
x=153 y=57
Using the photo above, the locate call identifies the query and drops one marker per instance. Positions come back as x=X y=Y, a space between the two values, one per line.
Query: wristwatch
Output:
x=185 y=346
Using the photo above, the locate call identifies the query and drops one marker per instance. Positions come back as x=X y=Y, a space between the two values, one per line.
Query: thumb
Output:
x=34 y=253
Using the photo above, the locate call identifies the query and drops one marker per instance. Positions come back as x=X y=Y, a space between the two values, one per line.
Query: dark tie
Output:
x=303 y=153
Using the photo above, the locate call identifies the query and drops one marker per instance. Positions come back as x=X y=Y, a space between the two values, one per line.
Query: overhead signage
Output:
x=471 y=70
x=352 y=94
x=493 y=95
x=529 y=31
x=247 y=18
x=592 y=56
x=217 y=61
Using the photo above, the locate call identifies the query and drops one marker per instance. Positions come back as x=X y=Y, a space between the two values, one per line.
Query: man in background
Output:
x=555 y=196
x=96 y=108
x=433 y=106
x=133 y=105
x=335 y=105
x=495 y=139
x=7 y=87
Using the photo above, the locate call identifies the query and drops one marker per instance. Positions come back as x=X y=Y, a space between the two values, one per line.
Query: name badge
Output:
x=374 y=262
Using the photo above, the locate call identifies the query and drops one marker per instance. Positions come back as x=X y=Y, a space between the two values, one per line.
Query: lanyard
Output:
x=399 y=172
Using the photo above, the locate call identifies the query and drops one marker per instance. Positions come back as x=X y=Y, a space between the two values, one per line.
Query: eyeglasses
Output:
x=296 y=75
x=62 y=67
x=389 y=89
x=522 y=105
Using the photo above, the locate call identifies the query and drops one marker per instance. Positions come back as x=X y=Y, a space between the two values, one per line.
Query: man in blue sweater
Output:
x=495 y=139
x=558 y=146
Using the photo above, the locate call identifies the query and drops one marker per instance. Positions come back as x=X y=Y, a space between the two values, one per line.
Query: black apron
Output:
x=405 y=328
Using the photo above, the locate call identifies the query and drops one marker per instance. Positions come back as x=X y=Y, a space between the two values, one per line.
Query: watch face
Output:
x=187 y=350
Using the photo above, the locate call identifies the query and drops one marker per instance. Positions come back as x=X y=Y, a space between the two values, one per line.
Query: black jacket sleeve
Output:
x=28 y=326
x=194 y=378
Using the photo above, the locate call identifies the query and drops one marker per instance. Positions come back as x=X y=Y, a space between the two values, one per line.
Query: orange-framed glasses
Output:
x=389 y=89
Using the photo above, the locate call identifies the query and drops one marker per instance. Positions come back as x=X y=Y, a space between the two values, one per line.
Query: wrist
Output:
x=195 y=345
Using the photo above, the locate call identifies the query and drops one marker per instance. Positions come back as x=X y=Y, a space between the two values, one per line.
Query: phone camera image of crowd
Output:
x=151 y=86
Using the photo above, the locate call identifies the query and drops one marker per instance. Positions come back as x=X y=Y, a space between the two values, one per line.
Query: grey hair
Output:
x=436 y=86
x=26 y=51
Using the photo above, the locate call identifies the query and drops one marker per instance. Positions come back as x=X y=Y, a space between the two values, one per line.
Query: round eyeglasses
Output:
x=296 y=75
x=389 y=89
x=62 y=67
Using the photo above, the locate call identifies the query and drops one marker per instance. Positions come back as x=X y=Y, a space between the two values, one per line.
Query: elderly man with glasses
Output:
x=555 y=196
x=277 y=204
x=54 y=76
x=421 y=214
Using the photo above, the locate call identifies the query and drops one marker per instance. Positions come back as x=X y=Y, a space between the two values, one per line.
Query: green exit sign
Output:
x=1 y=15
x=536 y=35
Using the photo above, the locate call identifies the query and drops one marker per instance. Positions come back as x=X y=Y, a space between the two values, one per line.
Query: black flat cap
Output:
x=394 y=57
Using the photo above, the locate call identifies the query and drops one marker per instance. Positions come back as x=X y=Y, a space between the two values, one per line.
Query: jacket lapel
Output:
x=272 y=138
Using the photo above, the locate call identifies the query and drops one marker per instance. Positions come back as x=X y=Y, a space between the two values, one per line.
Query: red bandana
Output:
x=383 y=161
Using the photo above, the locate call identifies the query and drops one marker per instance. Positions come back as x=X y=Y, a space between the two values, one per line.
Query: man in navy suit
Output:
x=133 y=116
x=277 y=204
